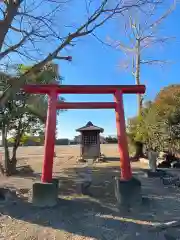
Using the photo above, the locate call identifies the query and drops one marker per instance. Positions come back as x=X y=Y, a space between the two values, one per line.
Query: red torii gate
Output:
x=53 y=90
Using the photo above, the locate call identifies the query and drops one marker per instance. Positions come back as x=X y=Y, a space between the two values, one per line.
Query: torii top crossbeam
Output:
x=83 y=89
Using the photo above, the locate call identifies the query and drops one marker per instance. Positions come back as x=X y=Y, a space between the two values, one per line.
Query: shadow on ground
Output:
x=98 y=217
x=82 y=217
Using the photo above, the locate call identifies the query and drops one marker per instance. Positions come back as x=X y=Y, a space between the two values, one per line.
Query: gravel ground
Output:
x=77 y=217
x=72 y=219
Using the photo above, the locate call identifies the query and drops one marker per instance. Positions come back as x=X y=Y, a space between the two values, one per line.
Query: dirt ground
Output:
x=79 y=217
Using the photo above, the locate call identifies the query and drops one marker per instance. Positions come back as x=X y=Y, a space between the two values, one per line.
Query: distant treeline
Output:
x=111 y=139
x=38 y=141
x=65 y=141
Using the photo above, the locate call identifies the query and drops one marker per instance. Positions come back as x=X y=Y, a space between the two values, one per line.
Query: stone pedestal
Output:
x=45 y=194
x=128 y=193
x=55 y=181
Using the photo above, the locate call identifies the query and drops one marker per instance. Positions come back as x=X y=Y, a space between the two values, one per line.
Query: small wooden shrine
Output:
x=90 y=142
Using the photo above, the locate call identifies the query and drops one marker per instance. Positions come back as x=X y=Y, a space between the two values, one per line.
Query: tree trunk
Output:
x=10 y=163
x=138 y=145
x=14 y=151
x=6 y=150
x=3 y=137
x=139 y=150
x=11 y=11
x=13 y=161
x=2 y=143
x=137 y=74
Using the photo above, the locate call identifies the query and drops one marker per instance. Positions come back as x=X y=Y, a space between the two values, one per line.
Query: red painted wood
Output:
x=85 y=105
x=49 y=139
x=83 y=89
x=126 y=173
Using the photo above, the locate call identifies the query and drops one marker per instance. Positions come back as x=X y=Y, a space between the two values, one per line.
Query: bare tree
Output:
x=31 y=29
x=142 y=33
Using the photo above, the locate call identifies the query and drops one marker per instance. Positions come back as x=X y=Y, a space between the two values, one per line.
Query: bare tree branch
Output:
x=142 y=35
x=36 y=27
x=11 y=11
x=142 y=39
x=154 y=61
x=164 y=16
x=68 y=58
x=15 y=47
x=152 y=40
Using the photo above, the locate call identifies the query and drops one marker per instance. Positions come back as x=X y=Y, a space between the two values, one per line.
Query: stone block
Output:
x=128 y=193
x=55 y=181
x=45 y=194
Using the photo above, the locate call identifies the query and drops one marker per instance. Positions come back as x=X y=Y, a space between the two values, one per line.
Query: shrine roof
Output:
x=90 y=127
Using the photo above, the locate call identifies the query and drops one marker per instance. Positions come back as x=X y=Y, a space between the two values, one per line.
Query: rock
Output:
x=176 y=165
x=7 y=195
x=170 y=181
x=44 y=194
x=81 y=160
x=23 y=190
x=164 y=164
x=2 y=195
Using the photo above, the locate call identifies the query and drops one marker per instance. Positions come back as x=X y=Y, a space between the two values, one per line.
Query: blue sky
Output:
x=94 y=63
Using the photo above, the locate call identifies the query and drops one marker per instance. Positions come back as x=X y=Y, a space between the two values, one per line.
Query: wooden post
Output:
x=49 y=138
x=126 y=173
